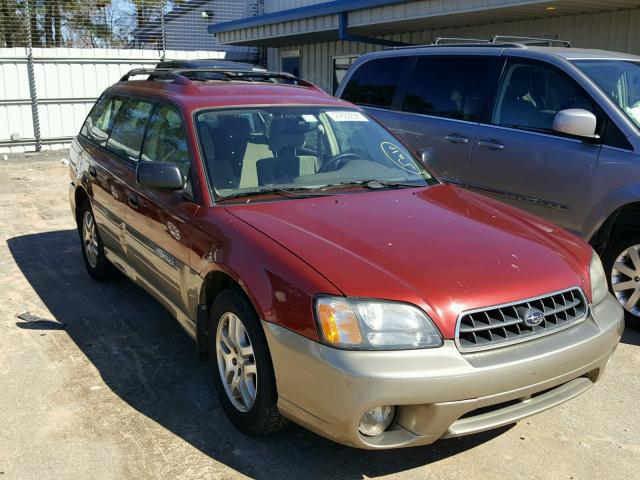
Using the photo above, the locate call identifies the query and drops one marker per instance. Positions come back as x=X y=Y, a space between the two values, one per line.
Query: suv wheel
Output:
x=242 y=370
x=622 y=264
x=93 y=254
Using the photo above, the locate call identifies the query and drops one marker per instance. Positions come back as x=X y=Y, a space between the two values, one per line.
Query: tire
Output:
x=621 y=262
x=241 y=366
x=95 y=260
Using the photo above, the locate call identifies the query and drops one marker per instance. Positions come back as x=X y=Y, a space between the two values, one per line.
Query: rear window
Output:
x=99 y=122
x=448 y=87
x=375 y=82
x=128 y=131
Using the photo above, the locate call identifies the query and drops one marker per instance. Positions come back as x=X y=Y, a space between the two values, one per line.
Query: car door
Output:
x=105 y=175
x=518 y=157
x=158 y=222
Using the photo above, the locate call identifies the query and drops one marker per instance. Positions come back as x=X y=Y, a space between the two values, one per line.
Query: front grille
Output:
x=504 y=324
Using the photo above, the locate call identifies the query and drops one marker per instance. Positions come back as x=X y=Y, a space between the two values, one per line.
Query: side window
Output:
x=375 y=82
x=128 y=132
x=613 y=137
x=166 y=140
x=99 y=122
x=450 y=87
x=530 y=95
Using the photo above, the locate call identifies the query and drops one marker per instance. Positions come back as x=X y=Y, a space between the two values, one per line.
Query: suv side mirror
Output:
x=159 y=175
x=575 y=121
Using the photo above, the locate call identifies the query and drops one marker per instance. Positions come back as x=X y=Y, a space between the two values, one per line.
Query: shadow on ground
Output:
x=147 y=360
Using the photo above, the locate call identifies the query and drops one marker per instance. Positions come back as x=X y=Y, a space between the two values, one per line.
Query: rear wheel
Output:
x=95 y=260
x=242 y=370
x=622 y=264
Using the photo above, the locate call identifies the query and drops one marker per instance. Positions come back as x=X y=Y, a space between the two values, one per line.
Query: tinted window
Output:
x=99 y=122
x=375 y=82
x=530 y=96
x=128 y=131
x=166 y=140
x=448 y=87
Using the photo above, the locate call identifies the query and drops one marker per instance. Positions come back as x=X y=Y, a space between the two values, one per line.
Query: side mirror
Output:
x=159 y=175
x=575 y=121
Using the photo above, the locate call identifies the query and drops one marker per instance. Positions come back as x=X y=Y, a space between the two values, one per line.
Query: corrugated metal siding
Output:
x=68 y=81
x=278 y=5
x=616 y=30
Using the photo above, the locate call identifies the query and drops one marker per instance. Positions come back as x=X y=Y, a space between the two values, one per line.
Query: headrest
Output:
x=287 y=132
x=520 y=82
x=235 y=127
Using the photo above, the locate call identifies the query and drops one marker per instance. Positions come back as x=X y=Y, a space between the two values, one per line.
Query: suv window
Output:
x=450 y=87
x=100 y=120
x=166 y=140
x=375 y=82
x=531 y=94
x=128 y=131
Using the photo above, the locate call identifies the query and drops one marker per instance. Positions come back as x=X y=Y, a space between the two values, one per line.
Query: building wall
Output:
x=277 y=5
x=616 y=30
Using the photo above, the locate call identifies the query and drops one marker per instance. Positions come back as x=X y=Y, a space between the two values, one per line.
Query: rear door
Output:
x=520 y=159
x=105 y=175
x=158 y=222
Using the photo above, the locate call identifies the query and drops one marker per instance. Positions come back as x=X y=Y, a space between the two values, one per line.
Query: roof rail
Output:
x=471 y=43
x=531 y=41
x=455 y=40
x=187 y=76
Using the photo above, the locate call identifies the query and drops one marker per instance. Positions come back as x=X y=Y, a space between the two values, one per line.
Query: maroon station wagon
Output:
x=332 y=278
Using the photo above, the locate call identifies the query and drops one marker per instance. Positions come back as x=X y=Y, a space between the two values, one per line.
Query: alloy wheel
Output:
x=90 y=238
x=236 y=362
x=625 y=279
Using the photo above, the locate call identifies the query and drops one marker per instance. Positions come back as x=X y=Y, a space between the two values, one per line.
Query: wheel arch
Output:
x=620 y=220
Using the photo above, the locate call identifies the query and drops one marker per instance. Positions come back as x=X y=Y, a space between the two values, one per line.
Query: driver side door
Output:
x=518 y=157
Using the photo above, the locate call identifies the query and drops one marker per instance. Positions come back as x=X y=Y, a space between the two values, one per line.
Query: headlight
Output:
x=599 y=287
x=359 y=324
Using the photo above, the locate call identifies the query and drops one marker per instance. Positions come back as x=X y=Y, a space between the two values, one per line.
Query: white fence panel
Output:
x=67 y=81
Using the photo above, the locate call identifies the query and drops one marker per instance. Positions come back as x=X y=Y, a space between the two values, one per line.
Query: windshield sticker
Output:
x=347 y=116
x=401 y=159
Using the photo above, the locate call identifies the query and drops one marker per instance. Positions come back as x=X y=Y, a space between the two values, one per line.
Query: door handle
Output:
x=454 y=138
x=492 y=144
x=92 y=171
x=132 y=200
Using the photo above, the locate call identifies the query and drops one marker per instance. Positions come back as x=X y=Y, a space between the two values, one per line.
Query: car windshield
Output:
x=284 y=149
x=620 y=80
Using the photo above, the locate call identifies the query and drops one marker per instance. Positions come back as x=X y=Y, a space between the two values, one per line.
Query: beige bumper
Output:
x=437 y=391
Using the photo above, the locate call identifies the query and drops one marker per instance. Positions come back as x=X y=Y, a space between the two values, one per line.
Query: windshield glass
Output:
x=620 y=80
x=258 y=149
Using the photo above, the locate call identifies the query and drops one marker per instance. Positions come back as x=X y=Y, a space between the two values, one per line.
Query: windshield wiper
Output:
x=292 y=192
x=374 y=184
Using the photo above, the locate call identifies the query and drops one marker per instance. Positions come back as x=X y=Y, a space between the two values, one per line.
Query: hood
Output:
x=442 y=248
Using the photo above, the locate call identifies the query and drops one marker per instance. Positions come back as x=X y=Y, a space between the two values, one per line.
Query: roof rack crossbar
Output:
x=454 y=40
x=530 y=40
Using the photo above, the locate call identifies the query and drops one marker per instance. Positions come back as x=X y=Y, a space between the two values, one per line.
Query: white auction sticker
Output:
x=309 y=118
x=347 y=116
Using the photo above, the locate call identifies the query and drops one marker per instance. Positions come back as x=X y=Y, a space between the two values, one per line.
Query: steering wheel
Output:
x=337 y=162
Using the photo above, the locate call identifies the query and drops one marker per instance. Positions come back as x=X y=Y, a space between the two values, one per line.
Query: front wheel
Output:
x=242 y=370
x=622 y=265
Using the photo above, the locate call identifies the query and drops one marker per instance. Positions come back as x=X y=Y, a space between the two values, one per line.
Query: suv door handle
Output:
x=92 y=171
x=492 y=144
x=454 y=138
x=132 y=200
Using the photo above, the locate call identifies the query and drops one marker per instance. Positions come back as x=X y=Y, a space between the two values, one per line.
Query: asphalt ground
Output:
x=98 y=381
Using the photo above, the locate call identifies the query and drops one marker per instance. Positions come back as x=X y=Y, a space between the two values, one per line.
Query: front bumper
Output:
x=437 y=392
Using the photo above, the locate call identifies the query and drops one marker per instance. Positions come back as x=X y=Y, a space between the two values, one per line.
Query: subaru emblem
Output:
x=533 y=317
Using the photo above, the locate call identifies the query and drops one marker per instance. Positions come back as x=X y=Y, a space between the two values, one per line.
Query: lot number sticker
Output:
x=346 y=116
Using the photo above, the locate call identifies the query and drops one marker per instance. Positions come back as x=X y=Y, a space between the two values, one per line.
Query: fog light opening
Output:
x=376 y=420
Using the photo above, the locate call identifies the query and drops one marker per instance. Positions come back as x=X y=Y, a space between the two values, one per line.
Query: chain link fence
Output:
x=56 y=56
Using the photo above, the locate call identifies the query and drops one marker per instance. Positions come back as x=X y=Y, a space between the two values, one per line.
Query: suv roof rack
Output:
x=188 y=76
x=504 y=41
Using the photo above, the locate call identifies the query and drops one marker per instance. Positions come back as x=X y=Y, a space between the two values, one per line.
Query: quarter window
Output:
x=530 y=96
x=448 y=87
x=99 y=122
x=166 y=140
x=375 y=82
x=128 y=131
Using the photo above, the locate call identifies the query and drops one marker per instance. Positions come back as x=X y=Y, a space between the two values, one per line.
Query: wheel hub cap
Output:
x=90 y=239
x=236 y=362
x=625 y=279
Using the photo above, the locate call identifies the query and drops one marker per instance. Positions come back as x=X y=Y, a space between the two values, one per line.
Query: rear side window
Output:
x=450 y=87
x=375 y=82
x=99 y=122
x=166 y=140
x=128 y=131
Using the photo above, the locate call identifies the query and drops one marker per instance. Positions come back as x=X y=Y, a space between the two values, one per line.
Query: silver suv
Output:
x=552 y=130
